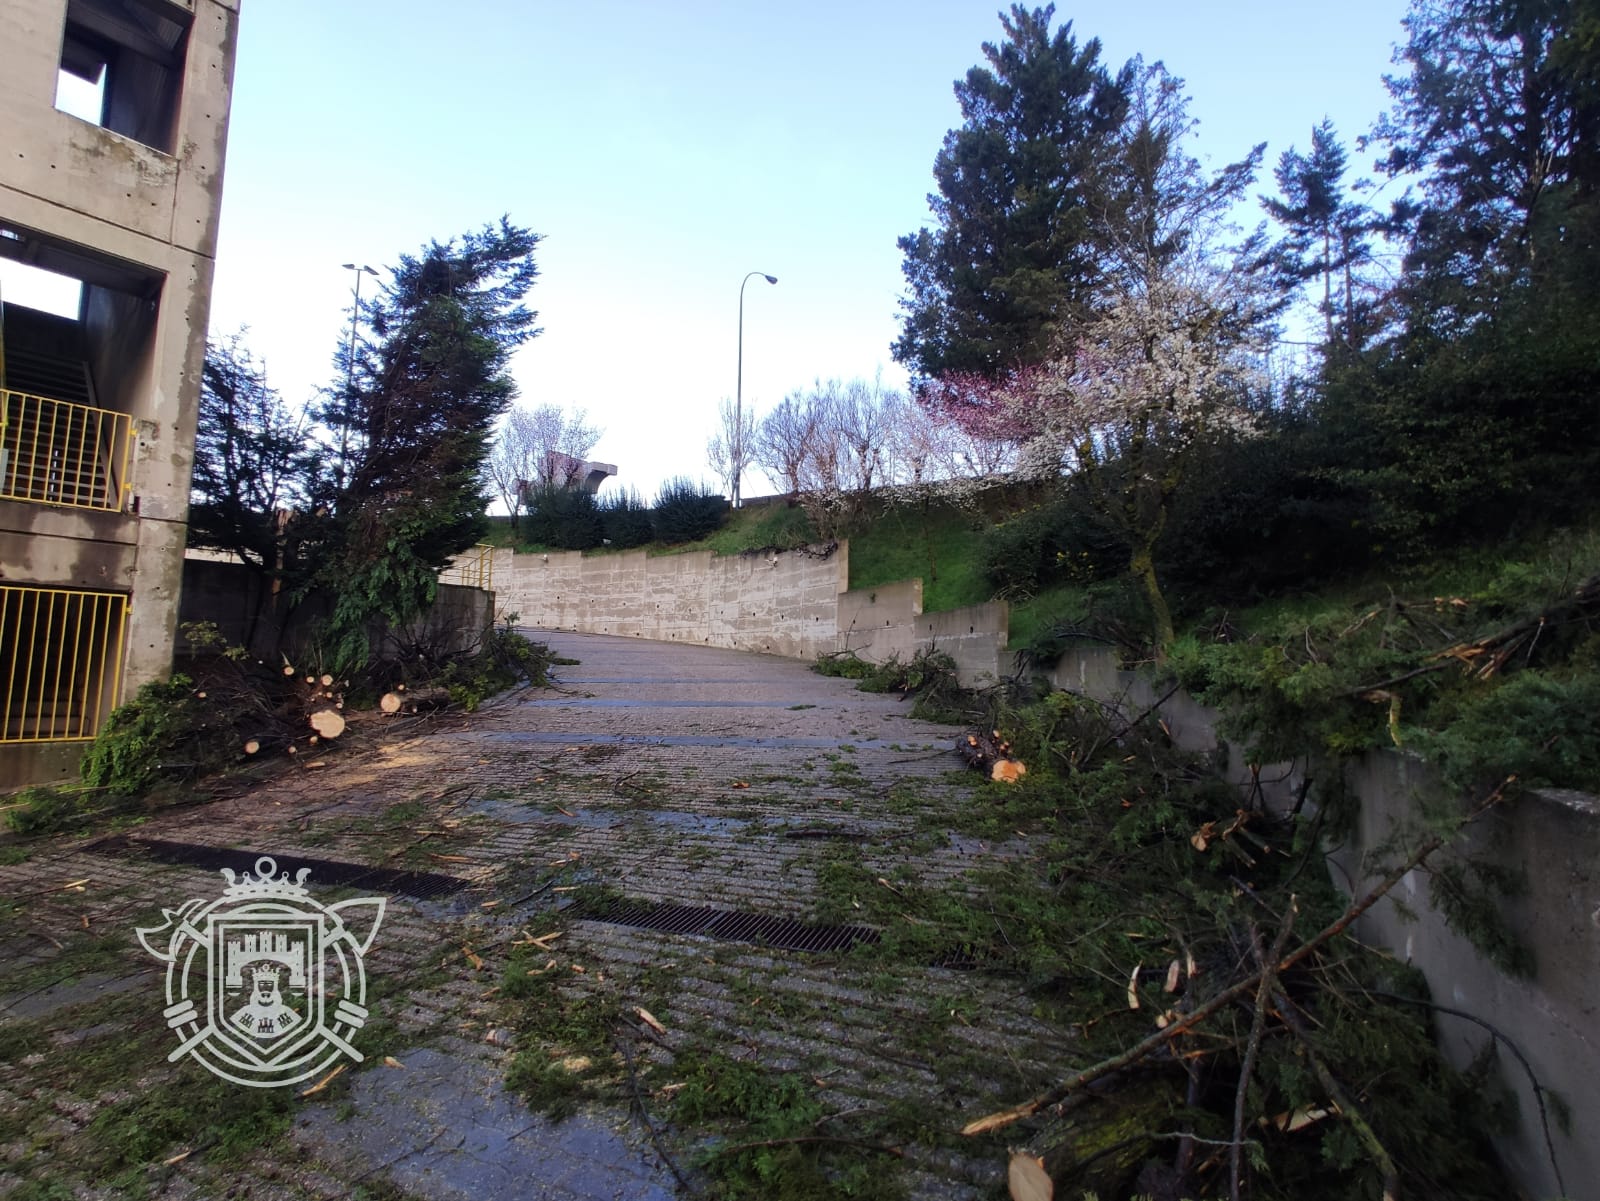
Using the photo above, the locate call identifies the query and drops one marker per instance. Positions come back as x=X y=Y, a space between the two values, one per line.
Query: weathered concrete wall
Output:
x=784 y=604
x=791 y=603
x=232 y=597
x=138 y=223
x=1552 y=837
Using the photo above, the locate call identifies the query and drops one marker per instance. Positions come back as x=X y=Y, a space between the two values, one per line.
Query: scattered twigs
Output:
x=644 y=1114
x=1485 y=656
x=1539 y=1089
x=762 y=1144
x=1292 y=1019
x=1238 y=989
x=1258 y=1027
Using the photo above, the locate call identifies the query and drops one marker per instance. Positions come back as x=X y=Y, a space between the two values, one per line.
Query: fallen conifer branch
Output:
x=1240 y=988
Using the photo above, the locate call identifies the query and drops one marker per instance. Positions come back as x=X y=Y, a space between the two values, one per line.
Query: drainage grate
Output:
x=421 y=886
x=730 y=925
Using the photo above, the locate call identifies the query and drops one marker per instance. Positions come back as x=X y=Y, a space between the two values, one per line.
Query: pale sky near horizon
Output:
x=664 y=149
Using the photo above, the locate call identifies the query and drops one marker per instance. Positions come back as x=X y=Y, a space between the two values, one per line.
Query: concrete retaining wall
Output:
x=793 y=603
x=1551 y=836
x=229 y=595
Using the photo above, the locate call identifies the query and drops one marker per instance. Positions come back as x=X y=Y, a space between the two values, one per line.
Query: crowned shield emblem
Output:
x=265 y=985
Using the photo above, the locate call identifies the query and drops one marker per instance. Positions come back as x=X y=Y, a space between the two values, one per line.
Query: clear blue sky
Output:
x=666 y=147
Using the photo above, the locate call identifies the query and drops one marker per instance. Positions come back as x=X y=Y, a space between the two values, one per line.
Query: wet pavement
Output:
x=666 y=773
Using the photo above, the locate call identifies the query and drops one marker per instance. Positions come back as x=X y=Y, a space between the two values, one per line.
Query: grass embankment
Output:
x=943 y=545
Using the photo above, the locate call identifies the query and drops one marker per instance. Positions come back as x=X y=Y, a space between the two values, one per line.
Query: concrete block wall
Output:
x=231 y=597
x=131 y=209
x=793 y=603
x=1550 y=836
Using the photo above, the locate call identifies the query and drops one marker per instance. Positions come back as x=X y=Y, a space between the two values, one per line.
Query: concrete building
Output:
x=97 y=425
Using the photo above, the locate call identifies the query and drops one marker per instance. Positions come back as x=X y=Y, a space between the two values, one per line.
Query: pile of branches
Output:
x=1236 y=1039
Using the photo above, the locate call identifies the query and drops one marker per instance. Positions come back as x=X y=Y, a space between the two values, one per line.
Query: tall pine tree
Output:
x=430 y=380
x=1012 y=254
x=1327 y=235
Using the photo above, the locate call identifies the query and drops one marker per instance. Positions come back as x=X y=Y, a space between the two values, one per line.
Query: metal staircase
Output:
x=56 y=446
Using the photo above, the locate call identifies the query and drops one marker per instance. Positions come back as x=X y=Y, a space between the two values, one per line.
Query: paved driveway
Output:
x=760 y=799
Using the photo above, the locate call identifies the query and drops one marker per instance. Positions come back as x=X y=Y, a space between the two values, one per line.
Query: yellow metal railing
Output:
x=60 y=662
x=58 y=452
x=473 y=568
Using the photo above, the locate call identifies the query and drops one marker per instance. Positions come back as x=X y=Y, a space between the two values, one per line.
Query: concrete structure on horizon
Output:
x=98 y=416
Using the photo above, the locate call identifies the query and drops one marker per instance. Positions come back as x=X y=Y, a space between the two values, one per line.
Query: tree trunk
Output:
x=1142 y=567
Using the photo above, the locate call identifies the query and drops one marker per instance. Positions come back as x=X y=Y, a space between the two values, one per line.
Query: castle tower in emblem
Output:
x=266 y=986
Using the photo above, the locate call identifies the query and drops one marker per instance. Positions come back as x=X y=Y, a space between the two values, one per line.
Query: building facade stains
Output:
x=123 y=196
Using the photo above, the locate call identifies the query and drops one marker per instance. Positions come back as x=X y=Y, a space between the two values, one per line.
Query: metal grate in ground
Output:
x=729 y=925
x=421 y=886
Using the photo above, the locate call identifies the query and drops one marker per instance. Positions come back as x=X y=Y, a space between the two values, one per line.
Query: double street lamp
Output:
x=738 y=390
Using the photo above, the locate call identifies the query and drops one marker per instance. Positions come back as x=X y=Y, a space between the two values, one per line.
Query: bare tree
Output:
x=783 y=439
x=830 y=445
x=731 y=450
x=542 y=447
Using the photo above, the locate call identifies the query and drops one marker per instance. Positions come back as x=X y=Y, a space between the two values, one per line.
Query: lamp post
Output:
x=738 y=390
x=349 y=373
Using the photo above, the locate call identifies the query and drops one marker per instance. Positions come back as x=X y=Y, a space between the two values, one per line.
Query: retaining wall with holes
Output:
x=795 y=603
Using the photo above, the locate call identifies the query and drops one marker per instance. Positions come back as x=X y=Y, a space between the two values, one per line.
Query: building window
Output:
x=122 y=67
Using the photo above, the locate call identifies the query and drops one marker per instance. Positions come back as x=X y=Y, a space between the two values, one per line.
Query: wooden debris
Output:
x=328 y=722
x=323 y=1083
x=989 y=751
x=649 y=1019
x=1026 y=1179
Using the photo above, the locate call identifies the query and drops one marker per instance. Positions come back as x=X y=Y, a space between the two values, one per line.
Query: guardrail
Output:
x=60 y=662
x=59 y=452
x=473 y=568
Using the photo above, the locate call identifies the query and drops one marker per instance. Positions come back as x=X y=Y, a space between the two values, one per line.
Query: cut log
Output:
x=328 y=723
x=327 y=681
x=252 y=746
x=390 y=702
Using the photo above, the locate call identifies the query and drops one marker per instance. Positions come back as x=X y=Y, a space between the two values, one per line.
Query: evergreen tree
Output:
x=429 y=382
x=251 y=459
x=1478 y=413
x=1498 y=111
x=1013 y=253
x=1327 y=235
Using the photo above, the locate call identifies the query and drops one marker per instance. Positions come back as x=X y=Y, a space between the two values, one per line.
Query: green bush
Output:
x=569 y=519
x=1538 y=727
x=930 y=677
x=685 y=511
x=162 y=733
x=625 y=520
x=505 y=659
x=1061 y=542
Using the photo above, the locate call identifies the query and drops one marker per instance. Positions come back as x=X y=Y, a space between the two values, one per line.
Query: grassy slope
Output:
x=942 y=545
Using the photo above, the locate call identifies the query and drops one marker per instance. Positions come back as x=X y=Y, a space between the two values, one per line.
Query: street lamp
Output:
x=350 y=373
x=738 y=390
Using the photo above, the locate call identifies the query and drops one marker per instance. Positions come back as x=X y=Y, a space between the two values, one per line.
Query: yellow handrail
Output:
x=59 y=452
x=472 y=569
x=60 y=662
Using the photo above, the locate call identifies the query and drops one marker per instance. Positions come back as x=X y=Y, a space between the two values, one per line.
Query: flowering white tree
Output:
x=1172 y=361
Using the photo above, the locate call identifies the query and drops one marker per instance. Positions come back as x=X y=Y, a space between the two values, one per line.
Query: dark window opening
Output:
x=125 y=58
